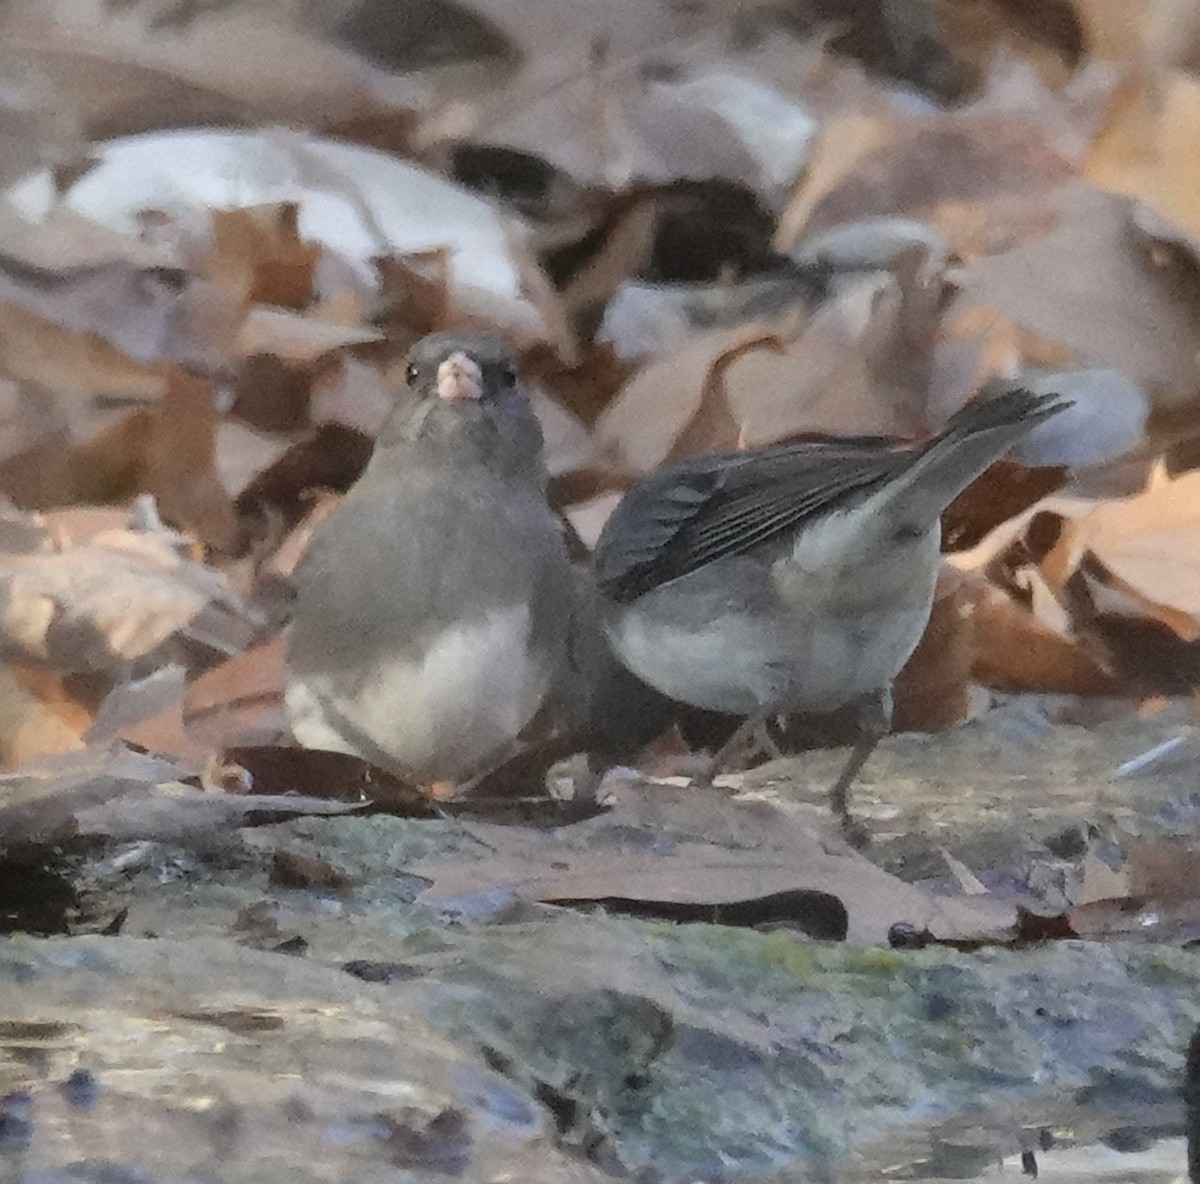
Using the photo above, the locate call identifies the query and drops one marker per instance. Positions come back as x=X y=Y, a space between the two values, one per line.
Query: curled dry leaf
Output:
x=713 y=427
x=1002 y=493
x=295 y=337
x=874 y=162
x=102 y=605
x=843 y=145
x=626 y=95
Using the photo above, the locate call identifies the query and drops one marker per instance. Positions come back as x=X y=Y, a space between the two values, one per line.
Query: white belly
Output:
x=744 y=669
x=447 y=716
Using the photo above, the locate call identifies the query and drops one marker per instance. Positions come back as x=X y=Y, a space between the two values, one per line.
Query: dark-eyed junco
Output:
x=792 y=579
x=433 y=605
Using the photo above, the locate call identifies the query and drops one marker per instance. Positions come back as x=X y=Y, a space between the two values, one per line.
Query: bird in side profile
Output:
x=433 y=605
x=796 y=578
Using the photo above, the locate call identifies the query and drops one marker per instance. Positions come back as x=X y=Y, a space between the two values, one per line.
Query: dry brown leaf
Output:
x=1047 y=34
x=35 y=350
x=720 y=852
x=1013 y=650
x=258 y=256
x=104 y=604
x=239 y=702
x=860 y=366
x=1151 y=541
x=1093 y=285
x=110 y=447
x=179 y=464
x=932 y=691
x=331 y=458
x=1101 y=882
x=626 y=247
x=602 y=108
x=36 y=465
x=713 y=427
x=1169 y=870
x=1148 y=645
x=163 y=733
x=297 y=337
x=928 y=162
x=1004 y=345
x=1003 y=492
x=242 y=453
x=844 y=144
x=1157 y=31
x=30 y=726
x=1146 y=148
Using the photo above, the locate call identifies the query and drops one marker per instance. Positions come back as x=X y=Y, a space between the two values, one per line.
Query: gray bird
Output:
x=433 y=605
x=792 y=579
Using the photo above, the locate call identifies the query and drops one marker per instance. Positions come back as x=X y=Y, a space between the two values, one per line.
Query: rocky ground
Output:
x=369 y=997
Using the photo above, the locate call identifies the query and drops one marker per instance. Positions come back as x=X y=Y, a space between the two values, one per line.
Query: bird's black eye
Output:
x=508 y=375
x=412 y=374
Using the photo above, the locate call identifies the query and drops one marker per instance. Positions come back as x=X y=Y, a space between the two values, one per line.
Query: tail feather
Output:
x=974 y=438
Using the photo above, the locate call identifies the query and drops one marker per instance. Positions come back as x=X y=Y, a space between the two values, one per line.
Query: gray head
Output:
x=464 y=400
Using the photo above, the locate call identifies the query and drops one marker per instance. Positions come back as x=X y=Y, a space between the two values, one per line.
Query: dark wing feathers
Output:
x=705 y=508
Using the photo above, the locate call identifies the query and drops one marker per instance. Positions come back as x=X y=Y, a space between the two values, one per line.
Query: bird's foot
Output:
x=874 y=722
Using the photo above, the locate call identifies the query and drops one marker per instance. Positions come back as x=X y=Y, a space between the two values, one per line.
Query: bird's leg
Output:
x=874 y=722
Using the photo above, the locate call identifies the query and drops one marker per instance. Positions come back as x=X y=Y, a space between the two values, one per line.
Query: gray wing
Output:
x=695 y=511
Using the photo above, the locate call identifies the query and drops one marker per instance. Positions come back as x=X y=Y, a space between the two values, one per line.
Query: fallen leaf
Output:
x=240 y=702
x=1144 y=148
x=1092 y=284
x=1101 y=882
x=1150 y=541
x=295 y=337
x=932 y=691
x=1005 y=491
x=843 y=146
x=699 y=850
x=29 y=726
x=180 y=464
x=104 y=604
x=713 y=427
x=1013 y=650
x=860 y=366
